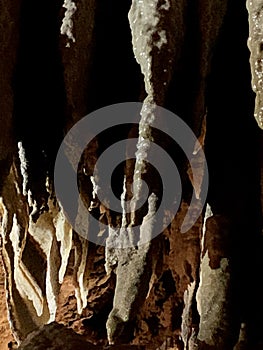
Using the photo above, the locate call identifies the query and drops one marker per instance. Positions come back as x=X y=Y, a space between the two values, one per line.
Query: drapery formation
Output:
x=60 y=61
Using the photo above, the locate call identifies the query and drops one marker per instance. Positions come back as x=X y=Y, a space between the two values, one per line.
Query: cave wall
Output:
x=59 y=63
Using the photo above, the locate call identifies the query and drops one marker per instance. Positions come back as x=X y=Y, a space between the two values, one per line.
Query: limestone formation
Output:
x=193 y=290
x=256 y=60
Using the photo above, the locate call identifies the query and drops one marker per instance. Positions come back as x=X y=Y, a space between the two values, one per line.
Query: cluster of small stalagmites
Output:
x=255 y=44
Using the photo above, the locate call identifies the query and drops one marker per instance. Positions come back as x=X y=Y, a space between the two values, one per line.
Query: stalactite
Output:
x=67 y=23
x=157 y=37
x=31 y=303
x=79 y=55
x=255 y=44
x=33 y=224
x=153 y=29
x=210 y=20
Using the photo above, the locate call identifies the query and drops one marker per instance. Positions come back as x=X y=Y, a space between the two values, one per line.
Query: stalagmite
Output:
x=23 y=167
x=188 y=333
x=25 y=283
x=130 y=293
x=213 y=294
x=64 y=236
x=80 y=272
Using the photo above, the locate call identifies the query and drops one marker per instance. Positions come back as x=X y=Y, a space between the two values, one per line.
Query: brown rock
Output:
x=55 y=336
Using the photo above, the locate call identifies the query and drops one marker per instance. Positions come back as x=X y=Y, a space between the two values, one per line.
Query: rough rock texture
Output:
x=56 y=337
x=197 y=290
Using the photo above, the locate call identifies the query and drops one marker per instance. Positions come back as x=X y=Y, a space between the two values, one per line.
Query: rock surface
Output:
x=57 y=337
